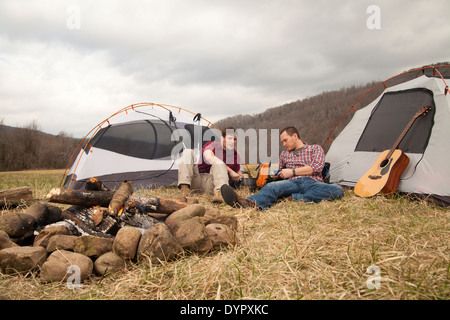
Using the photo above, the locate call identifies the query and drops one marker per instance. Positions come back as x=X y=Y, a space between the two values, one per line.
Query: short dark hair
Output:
x=290 y=131
x=228 y=130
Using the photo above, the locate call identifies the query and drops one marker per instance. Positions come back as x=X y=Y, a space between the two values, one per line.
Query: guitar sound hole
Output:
x=384 y=163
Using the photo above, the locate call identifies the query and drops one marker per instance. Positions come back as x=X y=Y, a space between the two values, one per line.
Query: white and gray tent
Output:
x=375 y=128
x=136 y=144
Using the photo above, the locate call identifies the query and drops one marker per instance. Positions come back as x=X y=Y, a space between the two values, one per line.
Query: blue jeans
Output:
x=302 y=189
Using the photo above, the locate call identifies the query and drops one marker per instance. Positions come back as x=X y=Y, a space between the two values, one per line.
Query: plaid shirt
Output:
x=309 y=155
x=231 y=159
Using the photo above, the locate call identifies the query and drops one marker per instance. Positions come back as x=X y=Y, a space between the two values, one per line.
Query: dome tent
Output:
x=136 y=144
x=375 y=128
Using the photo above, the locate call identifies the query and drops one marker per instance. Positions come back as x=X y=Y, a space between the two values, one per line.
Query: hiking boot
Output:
x=185 y=190
x=233 y=199
x=217 y=196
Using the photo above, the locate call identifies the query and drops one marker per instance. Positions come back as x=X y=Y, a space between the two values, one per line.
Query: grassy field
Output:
x=292 y=251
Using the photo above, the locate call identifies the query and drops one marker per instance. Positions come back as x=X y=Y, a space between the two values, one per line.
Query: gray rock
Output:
x=93 y=246
x=16 y=224
x=38 y=211
x=175 y=220
x=56 y=267
x=220 y=235
x=43 y=214
x=61 y=242
x=5 y=241
x=158 y=244
x=126 y=242
x=230 y=221
x=192 y=236
x=44 y=236
x=109 y=263
x=22 y=259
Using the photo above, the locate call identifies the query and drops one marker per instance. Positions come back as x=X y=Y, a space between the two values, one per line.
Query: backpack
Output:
x=263 y=177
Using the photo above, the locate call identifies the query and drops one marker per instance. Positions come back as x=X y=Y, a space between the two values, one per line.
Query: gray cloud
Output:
x=215 y=57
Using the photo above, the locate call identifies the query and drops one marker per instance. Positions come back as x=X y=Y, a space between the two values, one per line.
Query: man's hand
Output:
x=210 y=157
x=234 y=176
x=285 y=174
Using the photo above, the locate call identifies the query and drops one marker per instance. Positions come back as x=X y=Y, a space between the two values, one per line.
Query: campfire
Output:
x=102 y=213
x=108 y=228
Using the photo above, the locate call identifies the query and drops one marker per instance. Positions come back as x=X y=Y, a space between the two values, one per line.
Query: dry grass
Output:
x=41 y=181
x=291 y=251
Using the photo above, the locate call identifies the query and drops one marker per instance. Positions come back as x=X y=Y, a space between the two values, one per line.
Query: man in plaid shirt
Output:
x=307 y=155
x=300 y=171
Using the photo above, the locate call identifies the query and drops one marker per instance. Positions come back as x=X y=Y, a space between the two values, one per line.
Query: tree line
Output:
x=28 y=148
x=314 y=117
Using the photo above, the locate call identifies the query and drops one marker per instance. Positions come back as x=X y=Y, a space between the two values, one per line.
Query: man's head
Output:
x=290 y=138
x=228 y=138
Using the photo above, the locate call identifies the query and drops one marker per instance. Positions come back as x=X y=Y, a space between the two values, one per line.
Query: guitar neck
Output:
x=402 y=135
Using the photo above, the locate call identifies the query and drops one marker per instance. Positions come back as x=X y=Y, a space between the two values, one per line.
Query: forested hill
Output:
x=29 y=148
x=316 y=116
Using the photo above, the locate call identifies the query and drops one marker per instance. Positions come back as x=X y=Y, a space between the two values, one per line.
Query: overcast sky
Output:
x=68 y=65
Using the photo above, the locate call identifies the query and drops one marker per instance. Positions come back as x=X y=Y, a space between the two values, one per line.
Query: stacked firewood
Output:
x=109 y=228
x=101 y=212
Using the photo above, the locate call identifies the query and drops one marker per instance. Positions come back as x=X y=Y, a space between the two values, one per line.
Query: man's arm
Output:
x=318 y=161
x=235 y=176
x=288 y=173
x=211 y=158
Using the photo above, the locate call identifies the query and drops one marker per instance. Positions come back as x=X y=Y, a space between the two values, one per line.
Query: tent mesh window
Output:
x=140 y=139
x=390 y=117
x=207 y=134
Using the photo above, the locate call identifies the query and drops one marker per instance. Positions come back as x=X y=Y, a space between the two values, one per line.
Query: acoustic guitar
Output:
x=385 y=174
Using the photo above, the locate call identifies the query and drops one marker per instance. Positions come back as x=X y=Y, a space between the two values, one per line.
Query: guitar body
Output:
x=383 y=176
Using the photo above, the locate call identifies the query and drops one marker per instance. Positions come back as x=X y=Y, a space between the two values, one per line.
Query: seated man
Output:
x=301 y=173
x=216 y=168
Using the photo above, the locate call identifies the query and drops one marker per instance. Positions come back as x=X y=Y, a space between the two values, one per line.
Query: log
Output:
x=108 y=225
x=15 y=196
x=169 y=206
x=158 y=205
x=82 y=217
x=138 y=220
x=89 y=198
x=120 y=197
x=94 y=184
x=144 y=204
x=133 y=208
x=82 y=198
x=97 y=214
